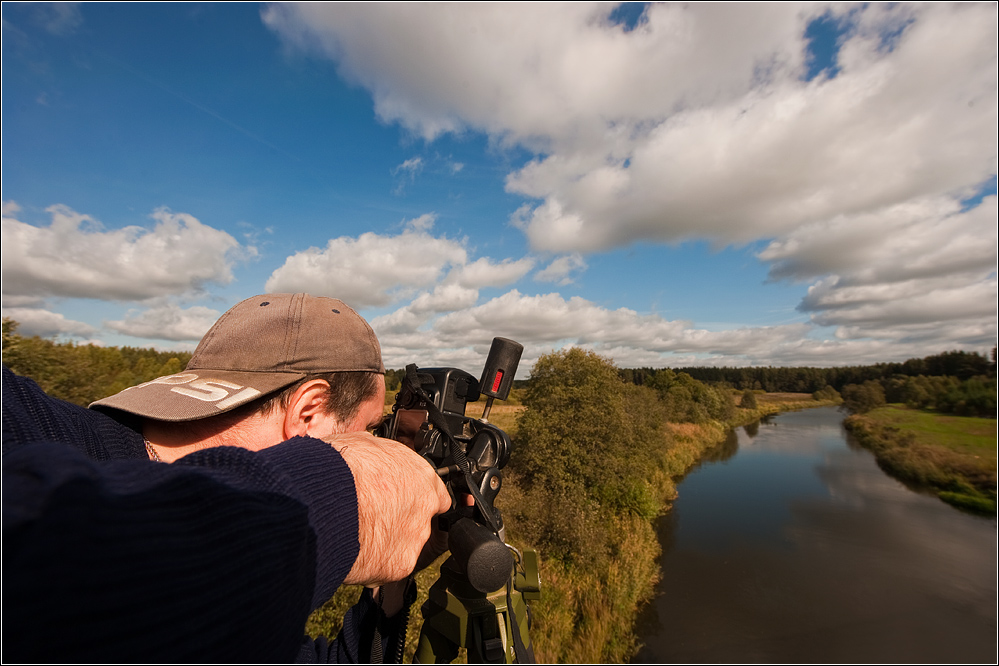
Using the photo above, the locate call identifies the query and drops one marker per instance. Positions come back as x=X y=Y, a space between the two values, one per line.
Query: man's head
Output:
x=272 y=367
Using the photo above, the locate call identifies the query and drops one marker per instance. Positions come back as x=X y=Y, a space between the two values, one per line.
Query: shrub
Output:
x=826 y=393
x=862 y=398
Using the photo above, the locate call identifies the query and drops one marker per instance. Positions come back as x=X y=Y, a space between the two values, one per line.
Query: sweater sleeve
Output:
x=219 y=557
x=366 y=634
x=29 y=415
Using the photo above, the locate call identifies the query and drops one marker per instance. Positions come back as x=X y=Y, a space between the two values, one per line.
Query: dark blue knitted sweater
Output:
x=218 y=557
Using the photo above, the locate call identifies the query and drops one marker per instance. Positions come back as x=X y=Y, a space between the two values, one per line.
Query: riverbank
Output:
x=952 y=456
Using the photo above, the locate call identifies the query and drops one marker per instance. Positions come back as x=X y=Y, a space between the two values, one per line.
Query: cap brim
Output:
x=196 y=394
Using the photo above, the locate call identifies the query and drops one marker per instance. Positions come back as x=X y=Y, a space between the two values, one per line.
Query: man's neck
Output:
x=172 y=441
x=169 y=442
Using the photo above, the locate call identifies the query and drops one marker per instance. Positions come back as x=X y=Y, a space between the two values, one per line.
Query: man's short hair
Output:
x=347 y=392
x=260 y=346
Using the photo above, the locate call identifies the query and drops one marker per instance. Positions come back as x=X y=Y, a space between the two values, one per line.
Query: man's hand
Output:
x=398 y=494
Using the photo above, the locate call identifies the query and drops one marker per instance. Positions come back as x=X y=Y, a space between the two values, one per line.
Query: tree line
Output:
x=949 y=395
x=962 y=365
x=958 y=382
x=83 y=373
x=954 y=382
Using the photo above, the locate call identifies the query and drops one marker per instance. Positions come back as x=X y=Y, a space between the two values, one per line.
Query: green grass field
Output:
x=964 y=434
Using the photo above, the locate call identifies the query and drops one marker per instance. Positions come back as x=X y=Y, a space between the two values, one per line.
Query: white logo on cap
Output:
x=207 y=390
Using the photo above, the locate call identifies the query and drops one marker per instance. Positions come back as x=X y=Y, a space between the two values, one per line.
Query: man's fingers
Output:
x=398 y=494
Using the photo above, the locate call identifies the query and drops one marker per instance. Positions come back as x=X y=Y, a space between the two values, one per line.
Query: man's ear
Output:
x=306 y=413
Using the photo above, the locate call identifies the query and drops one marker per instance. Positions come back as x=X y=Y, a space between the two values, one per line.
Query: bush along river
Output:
x=789 y=544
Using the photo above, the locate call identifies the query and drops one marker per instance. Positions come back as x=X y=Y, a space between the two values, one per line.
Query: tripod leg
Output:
x=518 y=626
x=434 y=647
x=487 y=643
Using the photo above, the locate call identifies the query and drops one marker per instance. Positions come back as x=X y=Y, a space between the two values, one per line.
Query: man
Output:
x=221 y=555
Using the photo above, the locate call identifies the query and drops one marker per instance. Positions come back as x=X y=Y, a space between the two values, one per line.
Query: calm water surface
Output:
x=791 y=545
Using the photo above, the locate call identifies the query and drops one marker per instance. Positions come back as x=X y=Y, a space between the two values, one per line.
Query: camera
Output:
x=467 y=453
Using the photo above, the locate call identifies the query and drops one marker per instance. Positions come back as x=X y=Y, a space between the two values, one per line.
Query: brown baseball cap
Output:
x=259 y=346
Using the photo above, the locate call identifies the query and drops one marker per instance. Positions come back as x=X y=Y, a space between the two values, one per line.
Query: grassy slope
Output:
x=954 y=456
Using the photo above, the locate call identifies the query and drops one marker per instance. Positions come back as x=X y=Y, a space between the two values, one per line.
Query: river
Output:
x=789 y=544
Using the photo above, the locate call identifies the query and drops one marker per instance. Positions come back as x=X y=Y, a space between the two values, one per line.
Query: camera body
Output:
x=485 y=447
x=468 y=453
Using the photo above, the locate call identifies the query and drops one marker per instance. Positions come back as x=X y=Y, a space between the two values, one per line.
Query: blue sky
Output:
x=667 y=185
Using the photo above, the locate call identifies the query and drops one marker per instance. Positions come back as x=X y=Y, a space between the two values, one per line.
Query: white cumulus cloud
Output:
x=371 y=269
x=561 y=269
x=432 y=272
x=696 y=124
x=46 y=324
x=926 y=238
x=167 y=322
x=925 y=263
x=484 y=272
x=76 y=257
x=549 y=321
x=540 y=72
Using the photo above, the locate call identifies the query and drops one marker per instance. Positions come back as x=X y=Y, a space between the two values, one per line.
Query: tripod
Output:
x=492 y=626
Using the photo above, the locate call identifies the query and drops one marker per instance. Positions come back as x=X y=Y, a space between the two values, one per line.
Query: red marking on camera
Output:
x=497 y=380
